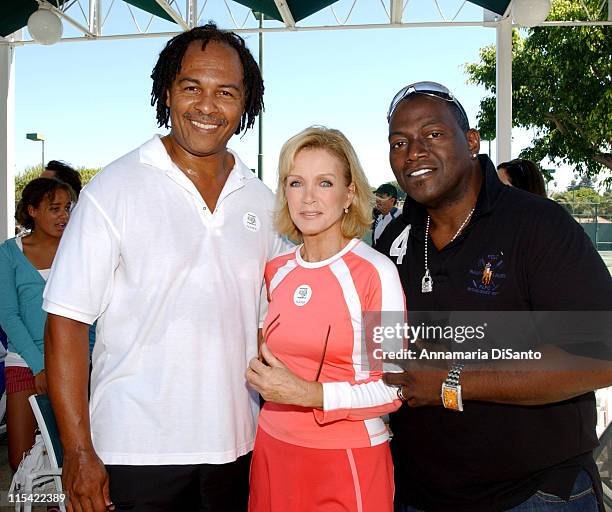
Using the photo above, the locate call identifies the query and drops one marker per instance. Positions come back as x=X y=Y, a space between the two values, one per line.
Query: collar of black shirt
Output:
x=414 y=213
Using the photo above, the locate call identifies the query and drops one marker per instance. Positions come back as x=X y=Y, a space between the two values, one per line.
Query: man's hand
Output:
x=276 y=383
x=85 y=482
x=40 y=383
x=421 y=384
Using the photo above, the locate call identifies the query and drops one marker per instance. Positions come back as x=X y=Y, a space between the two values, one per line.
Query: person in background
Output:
x=65 y=173
x=25 y=262
x=386 y=201
x=321 y=440
x=523 y=174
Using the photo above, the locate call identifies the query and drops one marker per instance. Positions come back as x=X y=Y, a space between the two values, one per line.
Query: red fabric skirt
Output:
x=18 y=378
x=290 y=478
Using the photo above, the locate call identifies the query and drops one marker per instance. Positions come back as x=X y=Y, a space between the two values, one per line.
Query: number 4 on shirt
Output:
x=400 y=245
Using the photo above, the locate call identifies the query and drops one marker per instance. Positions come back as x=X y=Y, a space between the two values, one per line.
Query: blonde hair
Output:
x=359 y=217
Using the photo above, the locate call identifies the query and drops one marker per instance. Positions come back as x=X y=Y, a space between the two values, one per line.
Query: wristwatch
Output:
x=451 y=389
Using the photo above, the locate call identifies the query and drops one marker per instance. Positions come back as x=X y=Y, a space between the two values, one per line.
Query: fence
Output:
x=596 y=219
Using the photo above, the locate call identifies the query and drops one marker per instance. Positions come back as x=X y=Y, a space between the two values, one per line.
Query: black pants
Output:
x=185 y=488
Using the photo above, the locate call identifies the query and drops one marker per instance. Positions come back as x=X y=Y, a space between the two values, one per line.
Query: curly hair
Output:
x=169 y=64
x=33 y=194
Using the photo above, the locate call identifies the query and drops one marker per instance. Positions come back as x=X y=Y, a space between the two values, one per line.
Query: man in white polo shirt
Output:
x=166 y=249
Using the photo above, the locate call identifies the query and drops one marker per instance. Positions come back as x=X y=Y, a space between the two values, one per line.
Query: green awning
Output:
x=299 y=8
x=496 y=6
x=303 y=8
x=14 y=14
x=152 y=7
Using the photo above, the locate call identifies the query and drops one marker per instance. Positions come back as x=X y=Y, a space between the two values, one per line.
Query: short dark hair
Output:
x=33 y=194
x=387 y=189
x=169 y=64
x=67 y=174
x=526 y=175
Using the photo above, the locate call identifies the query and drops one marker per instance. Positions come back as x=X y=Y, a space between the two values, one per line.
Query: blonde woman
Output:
x=321 y=444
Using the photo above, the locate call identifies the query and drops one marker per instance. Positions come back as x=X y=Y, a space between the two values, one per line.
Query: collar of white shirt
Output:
x=153 y=153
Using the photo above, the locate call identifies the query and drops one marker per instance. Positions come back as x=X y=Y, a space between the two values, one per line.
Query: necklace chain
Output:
x=467 y=219
x=427 y=281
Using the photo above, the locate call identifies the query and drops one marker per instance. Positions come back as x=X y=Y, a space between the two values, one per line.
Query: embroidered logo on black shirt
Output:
x=487 y=275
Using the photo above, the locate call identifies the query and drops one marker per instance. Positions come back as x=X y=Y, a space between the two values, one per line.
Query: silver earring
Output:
x=346 y=210
x=474 y=155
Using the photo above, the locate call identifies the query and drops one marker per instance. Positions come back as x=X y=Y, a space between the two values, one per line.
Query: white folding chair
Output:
x=43 y=412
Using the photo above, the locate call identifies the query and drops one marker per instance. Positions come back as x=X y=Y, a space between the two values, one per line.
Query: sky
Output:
x=91 y=99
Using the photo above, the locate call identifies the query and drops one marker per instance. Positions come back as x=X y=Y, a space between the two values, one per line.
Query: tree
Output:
x=580 y=201
x=562 y=87
x=584 y=182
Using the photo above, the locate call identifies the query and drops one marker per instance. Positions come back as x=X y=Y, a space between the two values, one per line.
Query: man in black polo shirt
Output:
x=467 y=242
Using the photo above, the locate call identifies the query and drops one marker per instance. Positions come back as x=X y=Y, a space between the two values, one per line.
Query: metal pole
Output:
x=191 y=9
x=597 y=226
x=260 y=150
x=43 y=156
x=503 y=78
x=7 y=140
x=95 y=17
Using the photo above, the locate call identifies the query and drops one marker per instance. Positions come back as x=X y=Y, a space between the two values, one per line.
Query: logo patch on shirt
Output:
x=302 y=295
x=251 y=221
x=487 y=275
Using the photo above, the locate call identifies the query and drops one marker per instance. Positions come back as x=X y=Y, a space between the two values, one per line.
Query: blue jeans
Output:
x=582 y=499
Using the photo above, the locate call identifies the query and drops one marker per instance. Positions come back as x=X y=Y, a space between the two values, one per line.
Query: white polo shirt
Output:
x=176 y=290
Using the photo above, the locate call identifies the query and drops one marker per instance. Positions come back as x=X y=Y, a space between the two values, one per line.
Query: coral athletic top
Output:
x=308 y=299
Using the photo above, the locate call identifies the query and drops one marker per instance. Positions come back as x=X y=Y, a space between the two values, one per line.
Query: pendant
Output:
x=427 y=283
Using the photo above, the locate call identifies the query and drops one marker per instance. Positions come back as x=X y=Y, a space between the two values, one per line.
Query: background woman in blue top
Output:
x=25 y=262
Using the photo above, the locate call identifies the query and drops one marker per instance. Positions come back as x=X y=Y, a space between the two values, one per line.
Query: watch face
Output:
x=450 y=398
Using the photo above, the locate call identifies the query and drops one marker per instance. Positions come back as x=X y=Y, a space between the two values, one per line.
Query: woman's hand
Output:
x=40 y=383
x=276 y=383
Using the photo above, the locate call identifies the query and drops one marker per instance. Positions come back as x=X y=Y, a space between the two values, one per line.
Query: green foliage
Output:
x=586 y=202
x=30 y=173
x=562 y=87
x=585 y=182
x=21 y=180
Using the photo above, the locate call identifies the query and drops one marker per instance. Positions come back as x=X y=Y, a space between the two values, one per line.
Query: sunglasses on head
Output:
x=428 y=89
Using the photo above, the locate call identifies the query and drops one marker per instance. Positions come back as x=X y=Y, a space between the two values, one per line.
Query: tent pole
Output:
x=7 y=140
x=503 y=117
x=260 y=156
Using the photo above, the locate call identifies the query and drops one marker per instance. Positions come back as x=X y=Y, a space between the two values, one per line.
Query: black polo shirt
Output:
x=492 y=456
